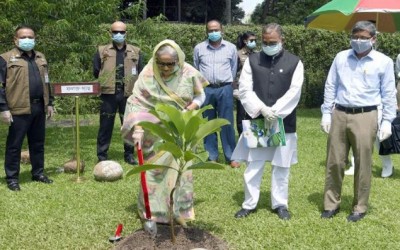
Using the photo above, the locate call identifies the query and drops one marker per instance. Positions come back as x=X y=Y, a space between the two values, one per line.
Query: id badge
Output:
x=134 y=71
x=46 y=77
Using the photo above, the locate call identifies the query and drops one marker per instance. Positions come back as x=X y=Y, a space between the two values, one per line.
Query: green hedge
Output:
x=72 y=60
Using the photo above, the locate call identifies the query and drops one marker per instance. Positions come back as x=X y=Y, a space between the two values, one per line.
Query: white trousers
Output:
x=252 y=182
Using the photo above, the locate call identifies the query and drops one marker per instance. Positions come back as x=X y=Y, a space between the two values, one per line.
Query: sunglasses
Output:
x=116 y=32
x=252 y=40
x=168 y=64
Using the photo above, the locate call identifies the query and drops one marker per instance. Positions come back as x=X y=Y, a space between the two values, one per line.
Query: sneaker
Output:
x=349 y=171
x=387 y=171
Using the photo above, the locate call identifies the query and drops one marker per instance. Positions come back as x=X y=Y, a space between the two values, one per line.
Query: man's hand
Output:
x=236 y=94
x=6 y=117
x=385 y=130
x=50 y=112
x=268 y=113
x=326 y=123
x=137 y=137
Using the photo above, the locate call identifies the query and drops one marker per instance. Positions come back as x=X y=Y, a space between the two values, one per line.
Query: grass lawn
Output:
x=70 y=215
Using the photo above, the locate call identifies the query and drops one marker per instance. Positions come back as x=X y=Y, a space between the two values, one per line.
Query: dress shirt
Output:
x=283 y=107
x=217 y=65
x=397 y=66
x=354 y=82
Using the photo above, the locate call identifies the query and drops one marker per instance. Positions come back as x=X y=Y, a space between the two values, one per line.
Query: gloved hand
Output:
x=50 y=112
x=137 y=137
x=326 y=123
x=268 y=113
x=385 y=130
x=6 y=117
x=236 y=94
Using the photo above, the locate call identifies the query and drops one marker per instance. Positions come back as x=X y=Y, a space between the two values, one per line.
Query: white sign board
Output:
x=77 y=89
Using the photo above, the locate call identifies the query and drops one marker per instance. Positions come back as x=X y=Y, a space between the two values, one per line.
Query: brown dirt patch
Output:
x=186 y=238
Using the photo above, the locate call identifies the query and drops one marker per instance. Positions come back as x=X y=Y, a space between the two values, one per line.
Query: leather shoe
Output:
x=282 y=212
x=130 y=160
x=42 y=178
x=13 y=186
x=235 y=164
x=355 y=216
x=327 y=214
x=244 y=212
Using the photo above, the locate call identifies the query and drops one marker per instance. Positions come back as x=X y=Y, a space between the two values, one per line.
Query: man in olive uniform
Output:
x=117 y=66
x=25 y=97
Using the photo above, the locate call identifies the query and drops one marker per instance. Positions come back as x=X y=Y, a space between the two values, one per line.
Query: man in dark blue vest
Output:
x=270 y=87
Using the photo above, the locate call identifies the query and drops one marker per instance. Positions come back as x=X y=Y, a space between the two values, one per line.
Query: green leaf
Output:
x=157 y=129
x=175 y=116
x=191 y=128
x=208 y=128
x=206 y=165
x=172 y=148
x=146 y=167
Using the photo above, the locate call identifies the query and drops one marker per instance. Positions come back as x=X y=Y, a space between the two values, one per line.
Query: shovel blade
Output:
x=150 y=227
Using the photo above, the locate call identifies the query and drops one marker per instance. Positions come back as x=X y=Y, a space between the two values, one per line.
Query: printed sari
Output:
x=178 y=90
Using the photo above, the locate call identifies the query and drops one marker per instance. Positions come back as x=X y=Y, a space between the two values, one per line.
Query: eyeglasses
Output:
x=362 y=38
x=116 y=32
x=252 y=40
x=270 y=43
x=168 y=64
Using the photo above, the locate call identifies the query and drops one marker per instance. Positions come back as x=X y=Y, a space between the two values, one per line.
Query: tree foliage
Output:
x=285 y=11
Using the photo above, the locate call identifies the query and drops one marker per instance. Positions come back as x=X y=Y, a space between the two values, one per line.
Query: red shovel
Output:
x=149 y=225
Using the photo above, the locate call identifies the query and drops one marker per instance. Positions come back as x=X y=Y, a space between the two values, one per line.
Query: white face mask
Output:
x=360 y=46
x=272 y=50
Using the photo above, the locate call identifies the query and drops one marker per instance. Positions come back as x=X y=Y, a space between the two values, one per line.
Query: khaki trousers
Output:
x=357 y=131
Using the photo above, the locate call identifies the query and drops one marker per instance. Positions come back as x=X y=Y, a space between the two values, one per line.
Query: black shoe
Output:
x=355 y=216
x=13 y=186
x=327 y=214
x=282 y=212
x=244 y=212
x=42 y=178
x=130 y=160
x=101 y=159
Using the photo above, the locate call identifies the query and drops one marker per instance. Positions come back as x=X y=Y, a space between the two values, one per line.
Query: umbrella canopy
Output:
x=339 y=15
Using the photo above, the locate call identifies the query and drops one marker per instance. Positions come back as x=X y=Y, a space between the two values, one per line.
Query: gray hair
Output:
x=273 y=27
x=364 y=26
x=167 y=49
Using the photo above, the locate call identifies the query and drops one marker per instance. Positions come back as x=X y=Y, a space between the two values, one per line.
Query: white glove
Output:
x=6 y=117
x=50 y=112
x=268 y=113
x=137 y=137
x=385 y=130
x=326 y=123
x=236 y=94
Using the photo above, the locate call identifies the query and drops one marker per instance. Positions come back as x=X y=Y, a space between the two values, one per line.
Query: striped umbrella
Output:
x=339 y=15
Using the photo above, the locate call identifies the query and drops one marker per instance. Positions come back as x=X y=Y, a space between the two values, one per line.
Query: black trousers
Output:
x=240 y=115
x=111 y=103
x=32 y=125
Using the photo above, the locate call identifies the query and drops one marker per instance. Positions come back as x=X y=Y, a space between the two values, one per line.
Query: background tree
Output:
x=285 y=11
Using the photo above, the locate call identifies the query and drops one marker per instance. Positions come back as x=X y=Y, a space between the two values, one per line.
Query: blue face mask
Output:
x=26 y=44
x=272 y=50
x=118 y=38
x=360 y=46
x=214 y=36
x=251 y=45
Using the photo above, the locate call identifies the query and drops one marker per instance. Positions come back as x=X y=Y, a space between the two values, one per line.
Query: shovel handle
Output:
x=144 y=184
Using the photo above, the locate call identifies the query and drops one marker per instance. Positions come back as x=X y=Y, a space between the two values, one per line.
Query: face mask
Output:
x=176 y=68
x=251 y=45
x=118 y=38
x=361 y=46
x=272 y=50
x=214 y=36
x=26 y=44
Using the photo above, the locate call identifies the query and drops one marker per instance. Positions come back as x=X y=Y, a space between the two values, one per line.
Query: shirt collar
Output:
x=370 y=55
x=223 y=43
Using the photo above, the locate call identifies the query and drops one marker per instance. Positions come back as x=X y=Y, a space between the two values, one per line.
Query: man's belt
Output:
x=36 y=100
x=218 y=85
x=355 y=110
